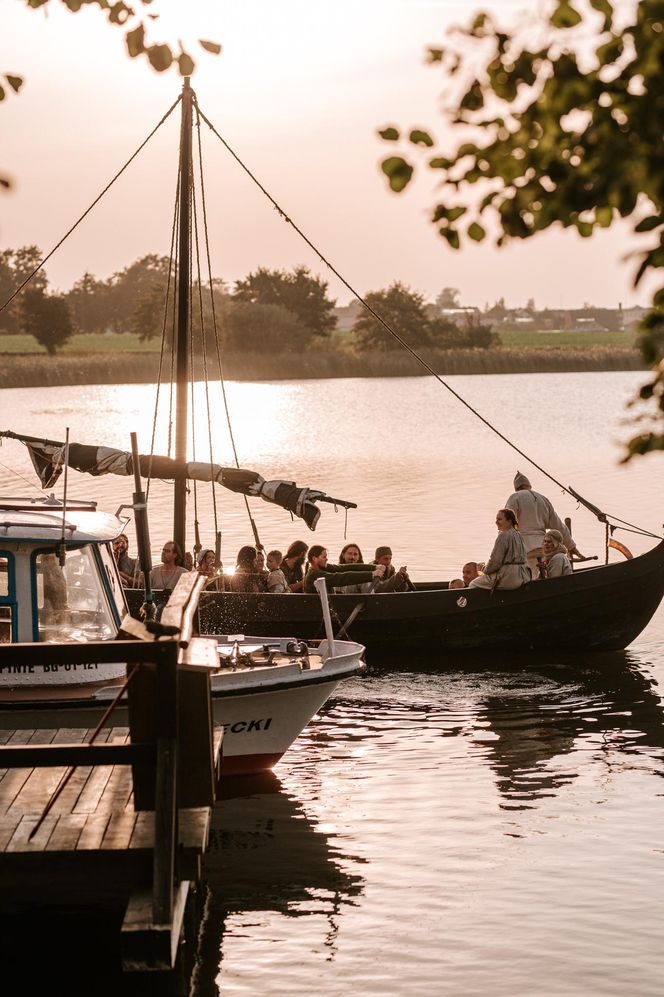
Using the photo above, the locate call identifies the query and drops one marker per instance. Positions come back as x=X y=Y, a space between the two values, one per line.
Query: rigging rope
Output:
x=204 y=358
x=409 y=349
x=222 y=380
x=88 y=210
x=176 y=212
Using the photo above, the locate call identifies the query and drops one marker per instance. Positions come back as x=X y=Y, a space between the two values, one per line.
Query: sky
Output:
x=299 y=92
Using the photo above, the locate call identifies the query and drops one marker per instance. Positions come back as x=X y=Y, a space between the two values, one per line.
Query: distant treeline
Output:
x=276 y=311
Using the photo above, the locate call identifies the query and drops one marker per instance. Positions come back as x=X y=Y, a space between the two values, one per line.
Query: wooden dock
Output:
x=130 y=827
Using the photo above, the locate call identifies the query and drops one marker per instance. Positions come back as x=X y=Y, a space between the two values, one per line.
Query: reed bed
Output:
x=39 y=370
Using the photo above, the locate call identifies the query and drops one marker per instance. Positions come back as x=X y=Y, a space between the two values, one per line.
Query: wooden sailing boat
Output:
x=601 y=607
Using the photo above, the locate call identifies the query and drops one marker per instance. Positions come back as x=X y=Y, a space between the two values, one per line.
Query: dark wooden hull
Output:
x=600 y=608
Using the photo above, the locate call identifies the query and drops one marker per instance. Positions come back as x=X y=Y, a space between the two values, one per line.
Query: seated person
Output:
x=506 y=567
x=246 y=577
x=337 y=574
x=393 y=580
x=468 y=572
x=207 y=566
x=166 y=574
x=554 y=555
x=351 y=554
x=456 y=583
x=276 y=580
x=293 y=565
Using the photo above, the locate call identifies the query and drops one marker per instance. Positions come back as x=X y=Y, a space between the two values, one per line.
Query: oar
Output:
x=352 y=616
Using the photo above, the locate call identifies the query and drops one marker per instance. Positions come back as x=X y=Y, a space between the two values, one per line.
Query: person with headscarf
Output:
x=506 y=567
x=554 y=555
x=535 y=514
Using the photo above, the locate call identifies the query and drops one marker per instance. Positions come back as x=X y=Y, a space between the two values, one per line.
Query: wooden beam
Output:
x=43 y=755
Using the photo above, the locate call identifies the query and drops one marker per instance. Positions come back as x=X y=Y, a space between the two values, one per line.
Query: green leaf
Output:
x=451 y=236
x=604 y=7
x=476 y=232
x=186 y=64
x=419 y=137
x=435 y=54
x=440 y=163
x=212 y=47
x=4 y=182
x=2 y=93
x=160 y=57
x=15 y=82
x=604 y=216
x=136 y=41
x=648 y=224
x=389 y=134
x=473 y=99
x=398 y=172
x=585 y=229
x=565 y=15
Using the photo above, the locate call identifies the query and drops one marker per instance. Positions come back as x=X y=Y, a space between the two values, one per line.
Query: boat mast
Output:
x=182 y=327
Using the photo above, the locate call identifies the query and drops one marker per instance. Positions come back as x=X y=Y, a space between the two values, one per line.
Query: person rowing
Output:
x=337 y=575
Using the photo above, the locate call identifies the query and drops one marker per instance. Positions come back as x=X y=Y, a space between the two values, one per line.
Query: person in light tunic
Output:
x=535 y=515
x=554 y=555
x=506 y=567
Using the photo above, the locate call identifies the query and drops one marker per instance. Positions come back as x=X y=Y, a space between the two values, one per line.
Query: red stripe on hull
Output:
x=248 y=764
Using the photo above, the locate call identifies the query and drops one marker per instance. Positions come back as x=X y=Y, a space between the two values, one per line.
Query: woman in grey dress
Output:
x=506 y=567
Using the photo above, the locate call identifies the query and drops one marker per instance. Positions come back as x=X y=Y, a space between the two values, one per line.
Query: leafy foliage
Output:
x=46 y=317
x=297 y=291
x=403 y=310
x=15 y=265
x=561 y=132
x=261 y=327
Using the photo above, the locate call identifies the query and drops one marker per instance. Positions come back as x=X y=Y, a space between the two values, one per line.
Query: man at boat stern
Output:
x=535 y=515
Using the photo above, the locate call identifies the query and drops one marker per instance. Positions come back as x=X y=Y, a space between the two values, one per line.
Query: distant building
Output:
x=347 y=315
x=633 y=316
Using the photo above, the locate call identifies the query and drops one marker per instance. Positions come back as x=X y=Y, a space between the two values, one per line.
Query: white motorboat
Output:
x=59 y=584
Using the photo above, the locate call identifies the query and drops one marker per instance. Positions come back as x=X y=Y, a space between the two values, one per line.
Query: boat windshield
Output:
x=70 y=600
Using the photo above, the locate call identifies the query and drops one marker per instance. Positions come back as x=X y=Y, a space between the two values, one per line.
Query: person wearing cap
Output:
x=393 y=580
x=337 y=575
x=535 y=514
x=554 y=555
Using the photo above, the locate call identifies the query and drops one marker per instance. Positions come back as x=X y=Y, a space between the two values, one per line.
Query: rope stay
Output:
x=89 y=209
x=222 y=379
x=409 y=349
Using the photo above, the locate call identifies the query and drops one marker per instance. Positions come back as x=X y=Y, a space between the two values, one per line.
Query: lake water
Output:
x=443 y=827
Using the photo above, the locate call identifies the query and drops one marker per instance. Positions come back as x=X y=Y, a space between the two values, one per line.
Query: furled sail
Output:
x=48 y=458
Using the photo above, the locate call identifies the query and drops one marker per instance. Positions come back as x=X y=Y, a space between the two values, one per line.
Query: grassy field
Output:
x=92 y=344
x=89 y=343
x=530 y=339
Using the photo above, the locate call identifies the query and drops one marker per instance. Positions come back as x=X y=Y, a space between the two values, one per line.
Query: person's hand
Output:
x=380 y=571
x=575 y=552
x=403 y=570
x=481 y=565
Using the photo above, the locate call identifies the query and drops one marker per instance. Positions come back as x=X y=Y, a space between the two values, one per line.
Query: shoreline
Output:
x=37 y=370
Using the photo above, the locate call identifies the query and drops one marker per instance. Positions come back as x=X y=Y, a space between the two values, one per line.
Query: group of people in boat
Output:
x=533 y=542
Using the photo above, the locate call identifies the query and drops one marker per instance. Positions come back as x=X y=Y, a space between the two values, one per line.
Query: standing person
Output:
x=554 y=555
x=127 y=566
x=337 y=574
x=166 y=574
x=535 y=514
x=506 y=567
x=276 y=580
x=293 y=565
x=351 y=554
x=393 y=580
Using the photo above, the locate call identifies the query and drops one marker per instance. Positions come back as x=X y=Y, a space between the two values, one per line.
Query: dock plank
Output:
x=66 y=833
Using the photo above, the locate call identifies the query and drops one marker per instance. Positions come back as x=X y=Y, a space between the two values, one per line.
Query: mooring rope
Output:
x=409 y=349
x=89 y=209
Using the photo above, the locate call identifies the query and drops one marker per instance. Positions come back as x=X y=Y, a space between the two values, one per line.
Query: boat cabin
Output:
x=43 y=599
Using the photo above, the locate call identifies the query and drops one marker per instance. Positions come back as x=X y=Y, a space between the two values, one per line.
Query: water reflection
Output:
x=536 y=726
x=267 y=854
